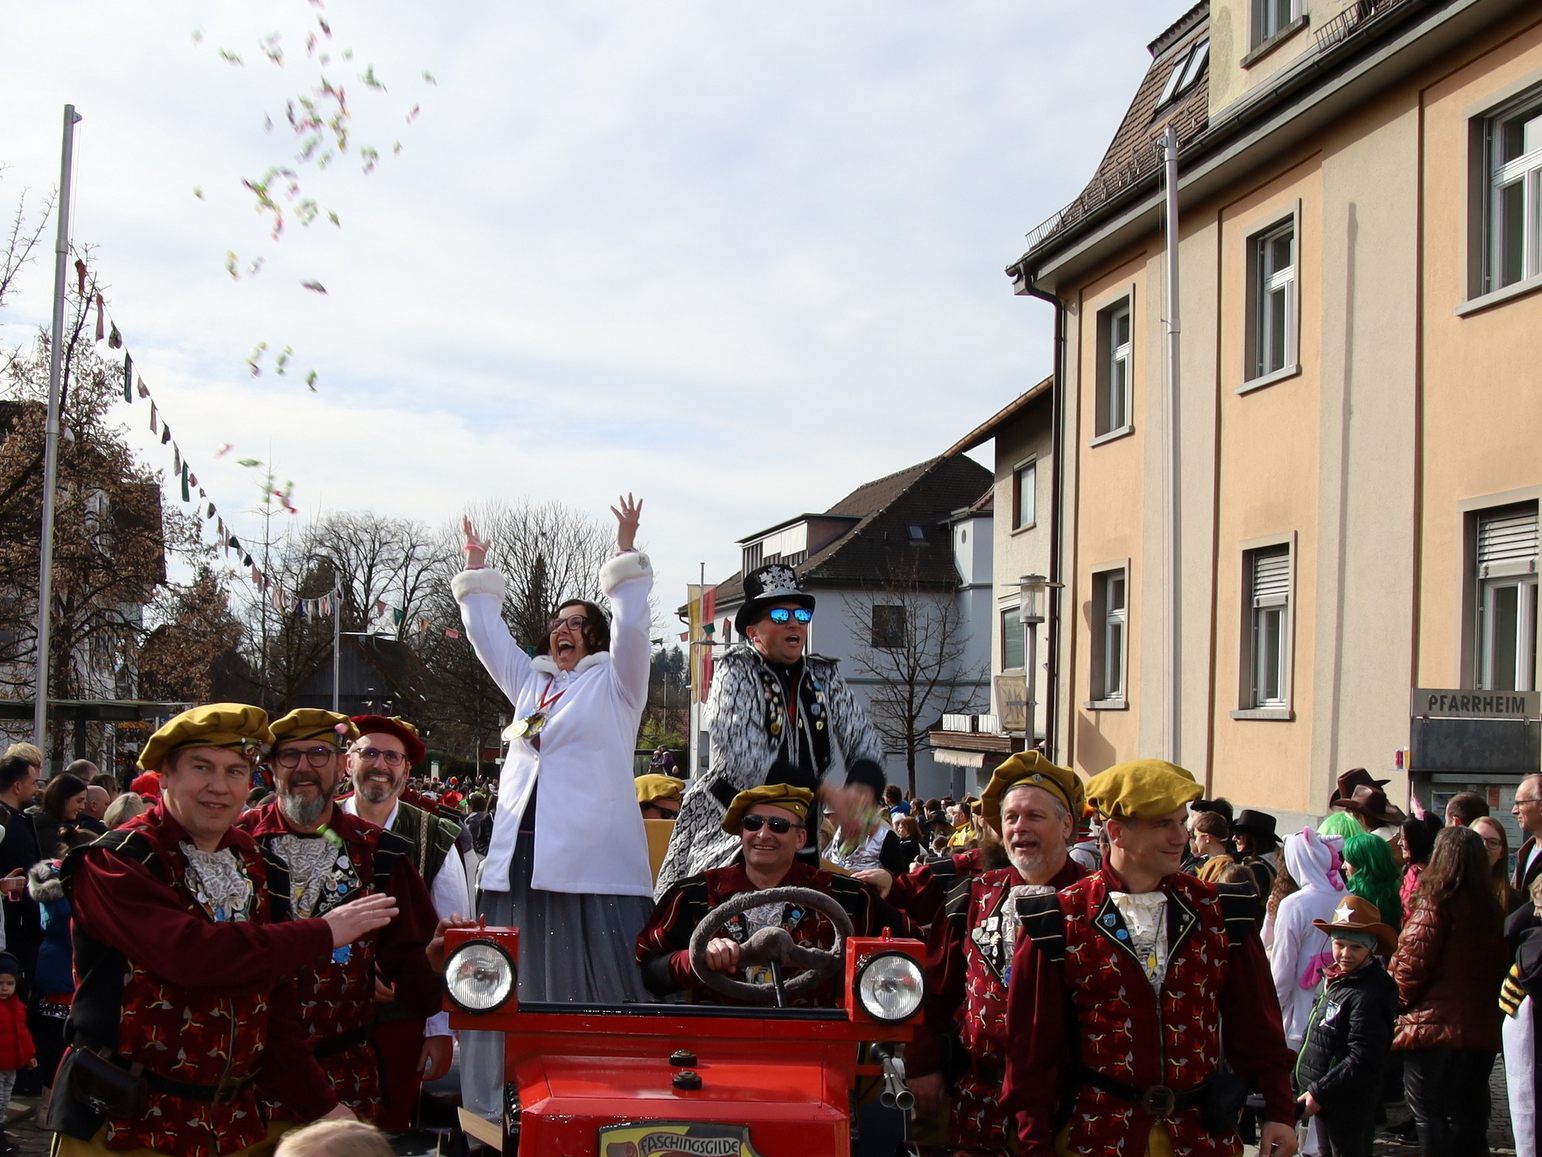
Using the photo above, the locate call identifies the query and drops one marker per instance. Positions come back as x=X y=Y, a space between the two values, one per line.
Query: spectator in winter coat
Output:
x=53 y=983
x=1450 y=960
x=1300 y=951
x=1344 y=1056
x=16 y=1051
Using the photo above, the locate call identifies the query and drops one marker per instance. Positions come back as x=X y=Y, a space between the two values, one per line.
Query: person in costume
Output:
x=774 y=706
x=771 y=824
x=568 y=861
x=182 y=968
x=1148 y=978
x=658 y=795
x=1343 y=1062
x=411 y=1050
x=1033 y=803
x=321 y=857
x=1520 y=999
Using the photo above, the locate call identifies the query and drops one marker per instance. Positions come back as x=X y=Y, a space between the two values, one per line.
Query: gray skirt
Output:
x=573 y=947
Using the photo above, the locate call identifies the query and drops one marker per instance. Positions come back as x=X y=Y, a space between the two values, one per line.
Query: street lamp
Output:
x=1031 y=589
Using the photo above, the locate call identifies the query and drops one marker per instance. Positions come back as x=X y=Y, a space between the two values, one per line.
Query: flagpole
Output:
x=337 y=638
x=45 y=583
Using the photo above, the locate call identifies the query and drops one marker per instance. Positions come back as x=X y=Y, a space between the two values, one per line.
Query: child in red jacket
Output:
x=16 y=1048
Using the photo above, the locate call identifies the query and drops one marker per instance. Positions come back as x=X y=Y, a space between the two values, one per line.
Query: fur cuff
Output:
x=633 y=564
x=484 y=581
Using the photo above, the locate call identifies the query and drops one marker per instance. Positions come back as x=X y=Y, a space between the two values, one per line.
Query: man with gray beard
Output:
x=1033 y=805
x=319 y=857
x=379 y=761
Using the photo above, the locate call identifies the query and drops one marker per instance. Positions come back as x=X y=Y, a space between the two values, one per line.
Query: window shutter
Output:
x=1507 y=543
x=1271 y=578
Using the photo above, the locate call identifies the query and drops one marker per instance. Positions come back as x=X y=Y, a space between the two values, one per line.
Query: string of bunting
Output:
x=134 y=389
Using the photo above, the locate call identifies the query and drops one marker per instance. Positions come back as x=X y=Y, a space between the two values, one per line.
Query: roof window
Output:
x=1187 y=69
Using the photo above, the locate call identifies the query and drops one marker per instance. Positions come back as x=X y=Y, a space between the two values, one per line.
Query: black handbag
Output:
x=94 y=1088
x=1225 y=1094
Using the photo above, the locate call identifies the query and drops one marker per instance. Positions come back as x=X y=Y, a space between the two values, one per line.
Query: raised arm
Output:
x=479 y=591
x=628 y=581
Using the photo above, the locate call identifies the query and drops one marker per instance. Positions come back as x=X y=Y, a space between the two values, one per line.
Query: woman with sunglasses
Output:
x=775 y=714
x=581 y=891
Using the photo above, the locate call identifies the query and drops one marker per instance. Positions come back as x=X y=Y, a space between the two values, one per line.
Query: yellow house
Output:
x=1317 y=489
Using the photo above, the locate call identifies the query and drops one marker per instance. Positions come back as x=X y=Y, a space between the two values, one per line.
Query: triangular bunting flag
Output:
x=144 y=390
x=154 y=419
x=128 y=373
x=186 y=495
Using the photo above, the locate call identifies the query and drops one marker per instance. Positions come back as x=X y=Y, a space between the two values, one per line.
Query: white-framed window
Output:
x=1271 y=17
x=1114 y=375
x=1011 y=640
x=1110 y=628
x=1512 y=171
x=1506 y=599
x=1272 y=301
x=888 y=626
x=1266 y=640
x=1187 y=69
x=1025 y=480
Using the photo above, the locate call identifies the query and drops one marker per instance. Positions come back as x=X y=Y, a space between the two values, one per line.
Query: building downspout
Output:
x=1056 y=493
x=1174 y=492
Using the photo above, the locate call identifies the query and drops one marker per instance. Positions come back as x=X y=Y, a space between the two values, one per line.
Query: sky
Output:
x=736 y=259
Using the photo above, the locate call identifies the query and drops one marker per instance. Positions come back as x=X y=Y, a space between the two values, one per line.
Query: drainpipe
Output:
x=1174 y=493
x=1056 y=593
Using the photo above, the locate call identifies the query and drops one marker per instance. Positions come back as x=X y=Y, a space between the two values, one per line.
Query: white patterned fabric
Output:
x=1145 y=915
x=313 y=864
x=218 y=882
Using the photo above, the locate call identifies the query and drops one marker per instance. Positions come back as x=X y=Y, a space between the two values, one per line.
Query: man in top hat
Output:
x=773 y=705
x=1369 y=805
x=182 y=969
x=1033 y=804
x=321 y=856
x=1146 y=977
x=411 y=1050
x=770 y=823
x=658 y=795
x=1351 y=779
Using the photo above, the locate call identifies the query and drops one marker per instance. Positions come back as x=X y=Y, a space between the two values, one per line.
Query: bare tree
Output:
x=22 y=241
x=916 y=644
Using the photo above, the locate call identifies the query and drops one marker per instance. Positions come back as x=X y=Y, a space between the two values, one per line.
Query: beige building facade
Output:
x=1358 y=399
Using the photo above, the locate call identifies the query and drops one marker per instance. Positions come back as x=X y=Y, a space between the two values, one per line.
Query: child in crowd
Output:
x=1349 y=1034
x=16 y=1049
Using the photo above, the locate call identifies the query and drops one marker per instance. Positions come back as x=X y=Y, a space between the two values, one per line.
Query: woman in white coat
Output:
x=568 y=860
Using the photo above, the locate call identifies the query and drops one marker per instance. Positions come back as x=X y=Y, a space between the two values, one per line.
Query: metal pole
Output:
x=1174 y=493
x=45 y=592
x=1031 y=739
x=337 y=637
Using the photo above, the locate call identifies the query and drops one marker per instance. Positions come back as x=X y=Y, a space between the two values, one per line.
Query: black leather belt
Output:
x=1158 y=1100
x=223 y=1093
x=341 y=1044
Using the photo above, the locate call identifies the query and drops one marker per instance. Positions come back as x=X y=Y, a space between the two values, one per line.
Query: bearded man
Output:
x=411 y=1050
x=320 y=857
x=1034 y=805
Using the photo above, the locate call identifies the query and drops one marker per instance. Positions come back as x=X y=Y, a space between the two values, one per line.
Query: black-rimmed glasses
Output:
x=389 y=758
x=314 y=756
x=571 y=622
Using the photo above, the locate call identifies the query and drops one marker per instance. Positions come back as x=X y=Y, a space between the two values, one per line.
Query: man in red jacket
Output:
x=323 y=856
x=1034 y=805
x=1129 y=987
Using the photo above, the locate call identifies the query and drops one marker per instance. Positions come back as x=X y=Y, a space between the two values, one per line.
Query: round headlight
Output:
x=889 y=986
x=480 y=976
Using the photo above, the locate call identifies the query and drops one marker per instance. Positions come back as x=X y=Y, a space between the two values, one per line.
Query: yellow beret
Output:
x=797 y=800
x=653 y=786
x=1142 y=789
x=315 y=723
x=233 y=725
x=1029 y=767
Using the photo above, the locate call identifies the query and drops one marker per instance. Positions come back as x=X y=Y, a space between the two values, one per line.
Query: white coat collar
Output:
x=546 y=665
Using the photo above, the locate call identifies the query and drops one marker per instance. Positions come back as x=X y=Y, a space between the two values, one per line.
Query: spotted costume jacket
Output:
x=969 y=954
x=194 y=990
x=663 y=947
x=1082 y=1016
x=337 y=995
x=748 y=724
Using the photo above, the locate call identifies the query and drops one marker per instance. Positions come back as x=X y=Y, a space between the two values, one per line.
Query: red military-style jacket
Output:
x=337 y=995
x=1078 y=990
x=195 y=995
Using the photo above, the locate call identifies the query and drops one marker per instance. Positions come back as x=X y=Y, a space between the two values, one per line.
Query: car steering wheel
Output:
x=772 y=944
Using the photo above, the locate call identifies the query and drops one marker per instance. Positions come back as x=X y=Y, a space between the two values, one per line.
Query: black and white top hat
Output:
x=774 y=583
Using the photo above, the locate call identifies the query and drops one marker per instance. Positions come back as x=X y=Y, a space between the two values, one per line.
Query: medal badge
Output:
x=531 y=725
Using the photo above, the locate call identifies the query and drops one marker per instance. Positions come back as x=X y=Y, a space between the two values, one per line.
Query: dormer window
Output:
x=916 y=533
x=1187 y=69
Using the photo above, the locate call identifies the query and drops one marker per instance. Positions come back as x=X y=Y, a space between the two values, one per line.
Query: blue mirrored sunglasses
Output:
x=780 y=615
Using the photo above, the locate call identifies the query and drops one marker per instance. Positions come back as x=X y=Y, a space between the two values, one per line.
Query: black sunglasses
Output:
x=776 y=823
x=780 y=615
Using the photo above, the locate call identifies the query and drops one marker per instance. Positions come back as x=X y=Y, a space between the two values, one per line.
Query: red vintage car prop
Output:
x=677 y=1080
